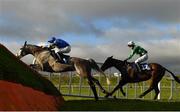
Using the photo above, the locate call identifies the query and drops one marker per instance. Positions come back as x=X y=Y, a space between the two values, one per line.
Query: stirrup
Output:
x=138 y=67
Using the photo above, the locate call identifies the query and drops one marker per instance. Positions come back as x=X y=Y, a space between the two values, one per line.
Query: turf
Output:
x=130 y=104
x=88 y=104
x=62 y=83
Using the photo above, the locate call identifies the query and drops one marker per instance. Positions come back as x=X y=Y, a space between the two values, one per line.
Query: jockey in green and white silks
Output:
x=139 y=51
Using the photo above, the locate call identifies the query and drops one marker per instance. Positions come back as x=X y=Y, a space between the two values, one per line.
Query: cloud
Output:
x=143 y=32
x=39 y=19
x=154 y=24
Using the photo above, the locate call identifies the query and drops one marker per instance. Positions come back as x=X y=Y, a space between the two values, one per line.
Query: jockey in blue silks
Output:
x=59 y=47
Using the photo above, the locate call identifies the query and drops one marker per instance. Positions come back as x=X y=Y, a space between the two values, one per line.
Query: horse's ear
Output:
x=111 y=57
x=25 y=43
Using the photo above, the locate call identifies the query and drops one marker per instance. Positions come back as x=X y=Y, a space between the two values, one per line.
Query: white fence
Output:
x=70 y=84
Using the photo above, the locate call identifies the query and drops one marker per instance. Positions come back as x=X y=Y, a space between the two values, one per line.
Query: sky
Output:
x=96 y=28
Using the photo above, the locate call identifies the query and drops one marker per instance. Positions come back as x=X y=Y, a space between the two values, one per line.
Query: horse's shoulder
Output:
x=45 y=52
x=154 y=65
x=129 y=63
x=76 y=59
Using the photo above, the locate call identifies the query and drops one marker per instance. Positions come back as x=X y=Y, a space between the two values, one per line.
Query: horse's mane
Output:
x=38 y=48
x=117 y=60
x=121 y=61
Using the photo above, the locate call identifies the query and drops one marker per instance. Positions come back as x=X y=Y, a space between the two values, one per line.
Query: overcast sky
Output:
x=96 y=28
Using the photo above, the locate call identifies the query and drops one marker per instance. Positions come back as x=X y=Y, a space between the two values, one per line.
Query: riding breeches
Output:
x=142 y=58
x=66 y=49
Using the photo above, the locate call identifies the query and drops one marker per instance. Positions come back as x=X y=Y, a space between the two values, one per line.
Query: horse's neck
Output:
x=37 y=50
x=117 y=64
x=44 y=57
x=42 y=53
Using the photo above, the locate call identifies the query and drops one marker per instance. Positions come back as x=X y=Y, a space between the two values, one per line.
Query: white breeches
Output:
x=142 y=58
x=62 y=50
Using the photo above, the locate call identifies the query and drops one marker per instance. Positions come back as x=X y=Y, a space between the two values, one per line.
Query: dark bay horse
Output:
x=154 y=75
x=46 y=62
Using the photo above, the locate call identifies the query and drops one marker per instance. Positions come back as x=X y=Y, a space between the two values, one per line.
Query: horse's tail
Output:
x=96 y=67
x=175 y=77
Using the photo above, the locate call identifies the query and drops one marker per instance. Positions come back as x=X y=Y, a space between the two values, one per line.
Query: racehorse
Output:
x=46 y=62
x=155 y=74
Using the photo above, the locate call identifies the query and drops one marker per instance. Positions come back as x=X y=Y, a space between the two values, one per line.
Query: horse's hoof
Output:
x=155 y=99
x=105 y=92
x=124 y=94
x=115 y=98
x=96 y=99
x=106 y=96
x=140 y=96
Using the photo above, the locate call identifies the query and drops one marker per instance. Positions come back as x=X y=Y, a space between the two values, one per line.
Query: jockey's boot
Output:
x=56 y=56
x=138 y=67
x=59 y=59
x=65 y=58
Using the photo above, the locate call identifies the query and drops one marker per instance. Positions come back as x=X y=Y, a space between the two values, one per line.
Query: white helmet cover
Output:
x=130 y=43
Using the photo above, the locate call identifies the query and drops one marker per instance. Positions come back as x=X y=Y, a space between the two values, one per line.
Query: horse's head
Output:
x=111 y=62
x=107 y=64
x=27 y=49
x=23 y=51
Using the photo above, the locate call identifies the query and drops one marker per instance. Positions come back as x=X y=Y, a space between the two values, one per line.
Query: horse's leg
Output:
x=84 y=70
x=151 y=87
x=146 y=92
x=120 y=85
x=156 y=92
x=121 y=89
x=39 y=64
x=93 y=88
x=156 y=89
x=156 y=77
x=99 y=85
x=36 y=67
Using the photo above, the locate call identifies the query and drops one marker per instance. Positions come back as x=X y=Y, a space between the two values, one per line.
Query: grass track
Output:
x=88 y=104
x=165 y=87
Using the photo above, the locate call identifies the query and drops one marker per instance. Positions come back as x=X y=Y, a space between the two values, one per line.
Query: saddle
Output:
x=64 y=58
x=143 y=67
x=61 y=58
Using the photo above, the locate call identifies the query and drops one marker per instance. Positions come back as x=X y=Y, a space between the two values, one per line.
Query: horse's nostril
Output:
x=17 y=55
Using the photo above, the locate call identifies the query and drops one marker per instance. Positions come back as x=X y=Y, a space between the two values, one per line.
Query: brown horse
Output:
x=46 y=62
x=130 y=76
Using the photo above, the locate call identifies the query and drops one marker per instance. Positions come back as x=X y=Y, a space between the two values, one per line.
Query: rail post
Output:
x=80 y=85
x=135 y=90
x=99 y=82
x=159 y=95
x=59 y=81
x=70 y=82
x=172 y=89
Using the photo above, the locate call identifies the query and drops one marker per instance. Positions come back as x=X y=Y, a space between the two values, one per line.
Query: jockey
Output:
x=139 y=51
x=59 y=47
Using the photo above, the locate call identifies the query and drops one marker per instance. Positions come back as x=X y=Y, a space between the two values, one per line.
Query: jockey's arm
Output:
x=131 y=55
x=51 y=46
